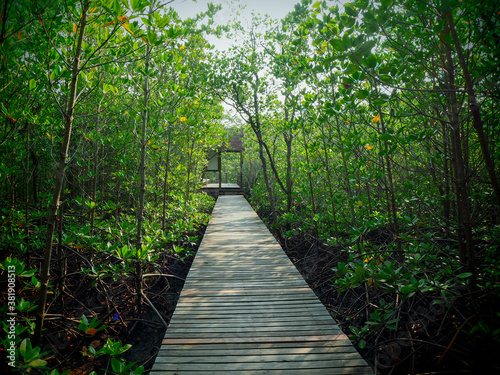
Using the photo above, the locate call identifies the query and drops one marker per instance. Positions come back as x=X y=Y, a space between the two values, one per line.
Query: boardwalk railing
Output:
x=245 y=309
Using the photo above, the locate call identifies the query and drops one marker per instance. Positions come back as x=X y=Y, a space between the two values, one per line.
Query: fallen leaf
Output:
x=91 y=331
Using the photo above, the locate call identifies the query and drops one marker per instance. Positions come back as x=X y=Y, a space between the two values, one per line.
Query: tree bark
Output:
x=61 y=168
x=142 y=170
x=465 y=238
x=165 y=182
x=329 y=180
x=393 y=210
x=474 y=107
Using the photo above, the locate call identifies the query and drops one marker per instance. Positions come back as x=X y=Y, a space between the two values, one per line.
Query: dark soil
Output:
x=430 y=338
x=113 y=301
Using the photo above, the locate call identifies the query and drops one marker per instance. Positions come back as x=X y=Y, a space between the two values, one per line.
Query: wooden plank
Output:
x=255 y=317
x=242 y=308
x=307 y=345
x=264 y=311
x=332 y=371
x=281 y=365
x=244 y=323
x=272 y=336
x=236 y=291
x=260 y=358
x=224 y=331
x=250 y=319
x=234 y=274
x=222 y=300
x=238 y=284
x=239 y=340
x=193 y=351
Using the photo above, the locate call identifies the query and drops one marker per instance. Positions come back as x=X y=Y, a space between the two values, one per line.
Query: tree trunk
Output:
x=311 y=187
x=61 y=168
x=269 y=188
x=329 y=180
x=346 y=177
x=289 y=183
x=393 y=209
x=142 y=171
x=190 y=156
x=465 y=239
x=165 y=182
x=474 y=107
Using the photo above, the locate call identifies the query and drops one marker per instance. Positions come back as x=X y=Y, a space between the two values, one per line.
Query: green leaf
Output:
x=365 y=48
x=32 y=85
x=386 y=137
x=371 y=61
x=138 y=371
x=379 y=102
x=338 y=44
x=407 y=289
x=136 y=5
x=362 y=94
x=371 y=27
x=349 y=9
x=24 y=347
x=116 y=365
x=37 y=363
x=117 y=8
x=152 y=37
x=316 y=4
x=351 y=68
x=464 y=275
x=385 y=78
x=146 y=21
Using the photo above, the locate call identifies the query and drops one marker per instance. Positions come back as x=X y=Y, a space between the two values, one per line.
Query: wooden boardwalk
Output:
x=245 y=309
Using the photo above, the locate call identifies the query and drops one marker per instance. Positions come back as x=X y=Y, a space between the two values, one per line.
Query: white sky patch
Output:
x=276 y=9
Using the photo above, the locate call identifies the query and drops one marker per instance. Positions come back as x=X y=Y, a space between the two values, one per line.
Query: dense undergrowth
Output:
x=416 y=317
x=95 y=312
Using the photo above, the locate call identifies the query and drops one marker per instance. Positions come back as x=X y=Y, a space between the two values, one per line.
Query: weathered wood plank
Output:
x=248 y=303
x=243 y=340
x=250 y=314
x=325 y=364
x=253 y=320
x=254 y=331
x=236 y=291
x=255 y=334
x=245 y=323
x=260 y=358
x=244 y=301
x=245 y=309
x=331 y=371
x=256 y=345
x=193 y=351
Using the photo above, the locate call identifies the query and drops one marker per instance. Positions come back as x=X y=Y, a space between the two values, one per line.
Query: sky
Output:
x=275 y=8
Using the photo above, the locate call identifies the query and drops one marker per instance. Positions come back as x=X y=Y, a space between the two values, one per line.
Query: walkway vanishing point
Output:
x=245 y=309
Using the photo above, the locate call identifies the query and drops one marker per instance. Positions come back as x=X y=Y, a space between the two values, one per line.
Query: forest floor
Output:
x=142 y=329
x=430 y=338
